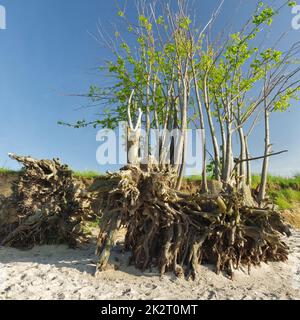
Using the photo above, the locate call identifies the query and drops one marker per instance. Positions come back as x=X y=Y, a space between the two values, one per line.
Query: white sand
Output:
x=56 y=272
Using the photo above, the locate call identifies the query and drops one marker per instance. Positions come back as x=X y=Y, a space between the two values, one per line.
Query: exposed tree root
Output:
x=49 y=204
x=177 y=232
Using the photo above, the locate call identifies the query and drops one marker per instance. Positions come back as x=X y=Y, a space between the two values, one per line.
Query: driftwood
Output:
x=177 y=232
x=50 y=205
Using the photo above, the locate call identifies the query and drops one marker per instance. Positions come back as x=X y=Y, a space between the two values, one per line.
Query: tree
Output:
x=174 y=68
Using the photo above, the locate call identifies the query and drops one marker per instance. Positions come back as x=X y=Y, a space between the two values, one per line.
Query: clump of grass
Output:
x=286 y=198
x=6 y=171
x=89 y=227
x=285 y=192
x=197 y=178
x=193 y=178
x=281 y=201
x=86 y=174
x=255 y=181
x=277 y=182
x=95 y=223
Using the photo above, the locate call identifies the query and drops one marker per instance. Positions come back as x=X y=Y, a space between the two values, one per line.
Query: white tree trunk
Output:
x=229 y=155
x=249 y=173
x=242 y=165
x=265 y=167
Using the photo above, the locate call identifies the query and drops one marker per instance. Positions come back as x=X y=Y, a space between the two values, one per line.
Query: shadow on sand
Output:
x=82 y=259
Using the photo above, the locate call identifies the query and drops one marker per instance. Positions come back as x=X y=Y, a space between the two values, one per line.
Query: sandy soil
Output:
x=56 y=272
x=6 y=183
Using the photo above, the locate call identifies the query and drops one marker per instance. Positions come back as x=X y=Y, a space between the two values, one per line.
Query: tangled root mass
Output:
x=49 y=203
x=178 y=232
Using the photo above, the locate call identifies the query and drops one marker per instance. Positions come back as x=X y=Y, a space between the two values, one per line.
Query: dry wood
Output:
x=177 y=232
x=50 y=205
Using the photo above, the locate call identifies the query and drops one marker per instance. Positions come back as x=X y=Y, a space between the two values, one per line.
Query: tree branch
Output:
x=238 y=161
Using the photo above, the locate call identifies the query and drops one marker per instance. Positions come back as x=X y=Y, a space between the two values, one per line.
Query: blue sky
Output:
x=47 y=52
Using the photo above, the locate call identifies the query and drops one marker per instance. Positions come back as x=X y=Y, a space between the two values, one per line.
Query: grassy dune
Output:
x=285 y=192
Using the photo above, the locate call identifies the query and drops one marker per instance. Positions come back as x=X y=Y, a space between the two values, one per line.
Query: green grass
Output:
x=89 y=226
x=86 y=174
x=276 y=182
x=273 y=181
x=78 y=174
x=94 y=224
x=193 y=178
x=286 y=198
x=6 y=171
x=285 y=192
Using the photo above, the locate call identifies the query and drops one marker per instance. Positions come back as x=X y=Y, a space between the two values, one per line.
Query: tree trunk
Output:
x=242 y=165
x=249 y=173
x=133 y=135
x=229 y=154
x=148 y=122
x=212 y=132
x=204 y=187
x=224 y=145
x=133 y=146
x=182 y=166
x=265 y=167
x=181 y=155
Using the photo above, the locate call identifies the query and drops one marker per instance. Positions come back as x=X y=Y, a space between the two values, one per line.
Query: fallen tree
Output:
x=177 y=232
x=50 y=205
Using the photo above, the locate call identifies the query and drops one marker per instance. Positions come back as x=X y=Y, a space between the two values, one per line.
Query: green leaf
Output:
x=160 y=20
